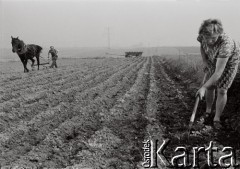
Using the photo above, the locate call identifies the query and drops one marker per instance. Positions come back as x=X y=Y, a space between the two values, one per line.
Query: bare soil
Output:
x=95 y=113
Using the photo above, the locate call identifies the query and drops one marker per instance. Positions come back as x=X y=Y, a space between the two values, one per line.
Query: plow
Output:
x=43 y=61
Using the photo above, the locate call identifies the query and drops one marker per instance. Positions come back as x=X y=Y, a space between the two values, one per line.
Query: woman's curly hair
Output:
x=209 y=27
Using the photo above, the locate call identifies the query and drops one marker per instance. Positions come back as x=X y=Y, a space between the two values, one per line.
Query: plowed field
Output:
x=93 y=113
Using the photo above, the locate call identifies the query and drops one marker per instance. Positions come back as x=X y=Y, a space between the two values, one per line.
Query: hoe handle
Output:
x=197 y=101
x=194 y=109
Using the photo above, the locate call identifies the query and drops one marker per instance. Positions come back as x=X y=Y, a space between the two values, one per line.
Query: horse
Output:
x=26 y=52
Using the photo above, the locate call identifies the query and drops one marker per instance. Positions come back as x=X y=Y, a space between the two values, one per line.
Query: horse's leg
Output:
x=22 y=60
x=25 y=65
x=38 y=61
x=32 y=62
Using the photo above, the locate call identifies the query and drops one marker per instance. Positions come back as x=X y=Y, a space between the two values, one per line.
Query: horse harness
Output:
x=28 y=49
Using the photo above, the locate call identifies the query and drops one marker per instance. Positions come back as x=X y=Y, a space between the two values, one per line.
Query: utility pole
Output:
x=108 y=38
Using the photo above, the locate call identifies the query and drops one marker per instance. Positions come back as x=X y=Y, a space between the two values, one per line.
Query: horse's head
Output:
x=17 y=45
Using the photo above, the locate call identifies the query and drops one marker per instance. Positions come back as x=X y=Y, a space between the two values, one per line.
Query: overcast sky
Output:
x=131 y=23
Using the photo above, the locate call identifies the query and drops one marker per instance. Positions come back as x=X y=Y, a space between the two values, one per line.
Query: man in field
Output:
x=53 y=52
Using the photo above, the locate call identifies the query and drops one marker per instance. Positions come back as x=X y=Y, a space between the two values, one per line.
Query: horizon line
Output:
x=114 y=47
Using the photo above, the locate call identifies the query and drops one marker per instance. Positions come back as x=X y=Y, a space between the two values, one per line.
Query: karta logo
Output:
x=154 y=156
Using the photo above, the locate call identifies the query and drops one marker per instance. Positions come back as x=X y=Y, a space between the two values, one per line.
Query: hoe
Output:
x=195 y=108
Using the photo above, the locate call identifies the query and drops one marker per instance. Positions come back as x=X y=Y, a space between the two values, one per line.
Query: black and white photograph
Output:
x=119 y=84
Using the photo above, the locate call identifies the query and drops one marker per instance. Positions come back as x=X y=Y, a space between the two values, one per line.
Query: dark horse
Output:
x=26 y=52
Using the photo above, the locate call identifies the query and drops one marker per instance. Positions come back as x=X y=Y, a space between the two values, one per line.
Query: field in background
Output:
x=7 y=55
x=95 y=113
x=8 y=68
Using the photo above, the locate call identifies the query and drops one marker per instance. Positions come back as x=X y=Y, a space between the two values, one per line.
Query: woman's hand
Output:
x=206 y=69
x=201 y=92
